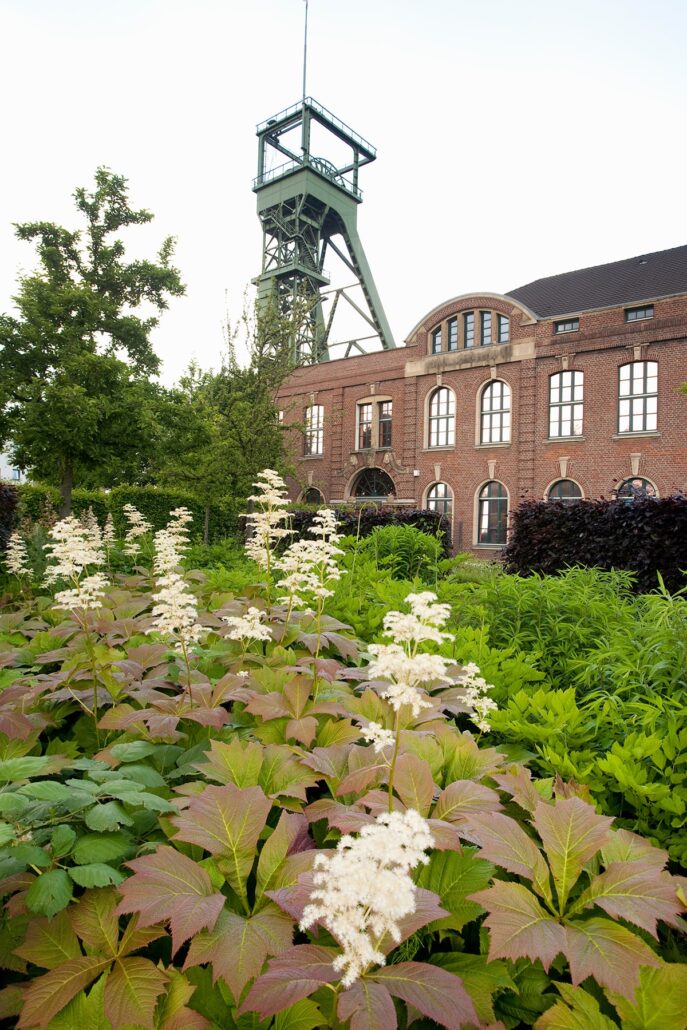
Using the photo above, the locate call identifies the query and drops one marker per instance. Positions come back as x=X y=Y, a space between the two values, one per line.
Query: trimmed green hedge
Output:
x=154 y=502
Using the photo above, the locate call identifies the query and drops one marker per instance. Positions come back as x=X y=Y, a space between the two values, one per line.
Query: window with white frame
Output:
x=495 y=415
x=565 y=404
x=485 y=328
x=503 y=328
x=442 y=418
x=364 y=426
x=436 y=340
x=440 y=498
x=385 y=419
x=638 y=397
x=492 y=514
x=564 y=490
x=314 y=430
x=452 y=326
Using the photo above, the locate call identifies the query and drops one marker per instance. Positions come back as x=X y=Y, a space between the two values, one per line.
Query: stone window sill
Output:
x=650 y=433
x=565 y=439
x=489 y=446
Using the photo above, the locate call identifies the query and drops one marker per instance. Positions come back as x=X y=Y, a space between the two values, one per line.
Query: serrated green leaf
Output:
x=13 y=770
x=131 y=992
x=304 y=1015
x=132 y=750
x=102 y=847
x=238 y=762
x=108 y=816
x=85 y=1011
x=97 y=874
x=660 y=1000
x=481 y=979
x=453 y=875
x=50 y=892
x=7 y=833
x=49 y=994
x=572 y=833
x=49 y=942
x=62 y=840
x=578 y=1011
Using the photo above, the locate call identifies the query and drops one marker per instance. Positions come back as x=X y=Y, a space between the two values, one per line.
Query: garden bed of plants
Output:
x=343 y=784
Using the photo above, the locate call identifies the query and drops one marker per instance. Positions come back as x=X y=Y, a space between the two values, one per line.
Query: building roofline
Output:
x=511 y=301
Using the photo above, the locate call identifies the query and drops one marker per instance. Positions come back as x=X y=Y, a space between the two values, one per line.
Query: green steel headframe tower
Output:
x=308 y=205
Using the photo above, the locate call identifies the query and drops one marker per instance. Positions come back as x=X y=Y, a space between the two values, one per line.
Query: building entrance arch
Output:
x=372 y=484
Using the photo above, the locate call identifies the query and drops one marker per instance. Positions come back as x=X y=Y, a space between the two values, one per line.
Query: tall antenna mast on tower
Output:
x=305 y=47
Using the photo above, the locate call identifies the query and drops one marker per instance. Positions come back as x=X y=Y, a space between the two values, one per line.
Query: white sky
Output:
x=515 y=140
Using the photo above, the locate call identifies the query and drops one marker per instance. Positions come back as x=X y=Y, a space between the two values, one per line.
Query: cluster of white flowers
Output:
x=378 y=736
x=266 y=528
x=16 y=556
x=71 y=549
x=88 y=594
x=311 y=565
x=476 y=688
x=109 y=532
x=400 y=662
x=138 y=527
x=247 y=627
x=92 y=527
x=175 y=612
x=364 y=888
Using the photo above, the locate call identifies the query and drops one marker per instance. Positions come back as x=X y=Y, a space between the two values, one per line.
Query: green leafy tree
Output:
x=75 y=363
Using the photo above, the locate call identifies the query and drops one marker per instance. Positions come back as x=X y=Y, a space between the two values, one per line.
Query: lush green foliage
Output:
x=647 y=536
x=157 y=854
x=9 y=500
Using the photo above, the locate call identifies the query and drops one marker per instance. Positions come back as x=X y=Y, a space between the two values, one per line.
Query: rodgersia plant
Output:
x=16 y=556
x=138 y=526
x=267 y=527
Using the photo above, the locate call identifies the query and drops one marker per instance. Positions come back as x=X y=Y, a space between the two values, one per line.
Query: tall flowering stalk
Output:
x=364 y=889
x=266 y=524
x=247 y=628
x=175 y=614
x=406 y=668
x=138 y=526
x=16 y=556
x=476 y=688
x=74 y=548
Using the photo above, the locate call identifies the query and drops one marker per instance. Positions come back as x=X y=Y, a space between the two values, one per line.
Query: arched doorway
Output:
x=373 y=484
x=312 y=496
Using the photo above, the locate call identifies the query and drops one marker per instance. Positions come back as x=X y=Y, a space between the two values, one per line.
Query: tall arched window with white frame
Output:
x=442 y=418
x=495 y=413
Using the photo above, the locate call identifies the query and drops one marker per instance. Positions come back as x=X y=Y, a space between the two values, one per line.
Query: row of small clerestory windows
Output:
x=637 y=411
x=468 y=330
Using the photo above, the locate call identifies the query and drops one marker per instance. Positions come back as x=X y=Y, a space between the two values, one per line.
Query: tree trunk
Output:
x=206 y=526
x=66 y=487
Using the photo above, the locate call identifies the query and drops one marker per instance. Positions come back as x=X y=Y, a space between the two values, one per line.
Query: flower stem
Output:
x=392 y=768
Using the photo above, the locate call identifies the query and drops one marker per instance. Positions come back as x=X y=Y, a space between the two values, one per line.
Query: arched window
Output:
x=495 y=413
x=565 y=404
x=313 y=496
x=564 y=490
x=636 y=489
x=440 y=498
x=373 y=484
x=638 y=397
x=314 y=429
x=442 y=418
x=492 y=514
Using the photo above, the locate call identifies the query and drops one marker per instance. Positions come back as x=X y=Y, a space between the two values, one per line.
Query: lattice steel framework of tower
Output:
x=308 y=205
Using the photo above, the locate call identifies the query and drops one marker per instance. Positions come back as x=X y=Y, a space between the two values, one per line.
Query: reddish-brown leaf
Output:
x=465 y=797
x=332 y=761
x=290 y=977
x=227 y=822
x=571 y=833
x=368 y=1005
x=289 y=835
x=517 y=781
x=427 y=909
x=302 y=730
x=268 y=706
x=238 y=946
x=434 y=992
x=413 y=783
x=346 y=818
x=504 y=842
x=636 y=892
x=49 y=942
x=169 y=887
x=519 y=926
x=94 y=920
x=624 y=846
x=131 y=992
x=49 y=994
x=610 y=953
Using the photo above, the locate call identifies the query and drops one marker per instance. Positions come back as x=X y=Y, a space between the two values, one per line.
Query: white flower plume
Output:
x=71 y=549
x=265 y=524
x=138 y=527
x=16 y=555
x=248 y=626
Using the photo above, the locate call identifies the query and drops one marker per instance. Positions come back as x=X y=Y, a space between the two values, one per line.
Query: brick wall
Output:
x=530 y=462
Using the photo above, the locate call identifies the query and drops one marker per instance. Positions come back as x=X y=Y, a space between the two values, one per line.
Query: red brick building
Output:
x=568 y=387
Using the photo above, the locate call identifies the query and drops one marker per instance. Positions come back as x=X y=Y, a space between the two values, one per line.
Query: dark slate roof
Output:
x=621 y=282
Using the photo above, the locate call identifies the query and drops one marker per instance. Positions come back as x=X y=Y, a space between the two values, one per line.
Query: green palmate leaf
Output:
x=623 y=846
x=465 y=760
x=610 y=953
x=481 y=979
x=504 y=842
x=290 y=834
x=47 y=995
x=519 y=926
x=97 y=874
x=102 y=847
x=50 y=892
x=304 y=1015
x=413 y=783
x=95 y=922
x=13 y=770
x=239 y=762
x=465 y=797
x=169 y=887
x=283 y=775
x=577 y=1011
x=131 y=992
x=434 y=992
x=453 y=875
x=84 y=1012
x=174 y=1013
x=238 y=946
x=49 y=942
x=227 y=821
x=636 y=892
x=368 y=1005
x=291 y=977
x=571 y=833
x=660 y=1001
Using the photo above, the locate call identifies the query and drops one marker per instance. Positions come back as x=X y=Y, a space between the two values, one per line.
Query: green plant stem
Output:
x=392 y=767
